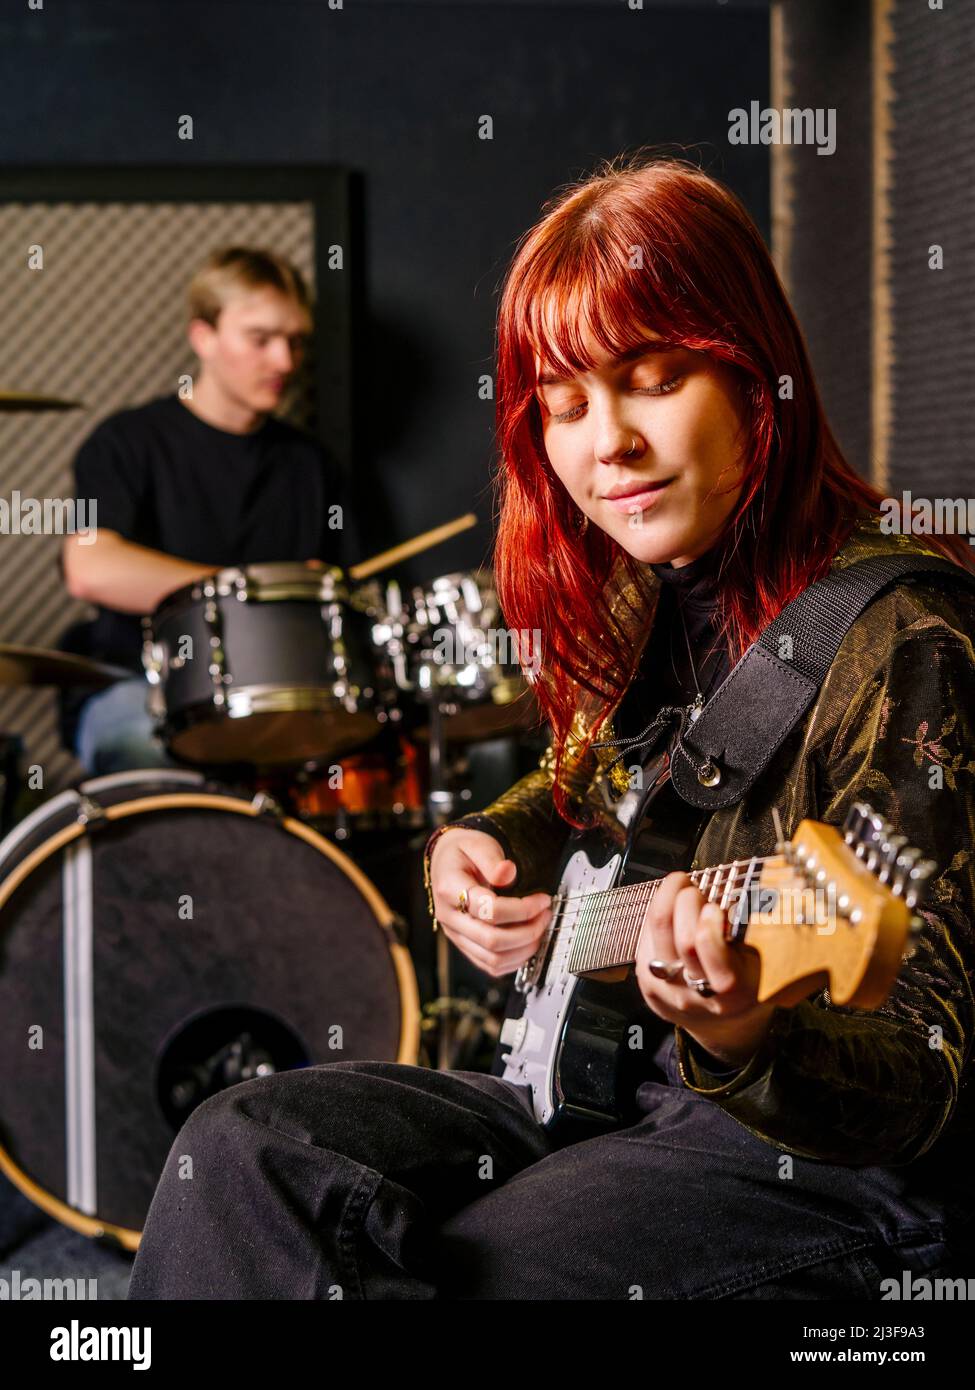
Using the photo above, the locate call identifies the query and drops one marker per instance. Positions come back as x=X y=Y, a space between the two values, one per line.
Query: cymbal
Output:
x=40 y=666
x=29 y=400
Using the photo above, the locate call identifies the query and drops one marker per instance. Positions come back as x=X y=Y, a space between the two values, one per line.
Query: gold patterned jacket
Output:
x=893 y=724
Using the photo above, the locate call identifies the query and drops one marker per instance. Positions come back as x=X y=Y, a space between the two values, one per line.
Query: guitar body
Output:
x=584 y=1043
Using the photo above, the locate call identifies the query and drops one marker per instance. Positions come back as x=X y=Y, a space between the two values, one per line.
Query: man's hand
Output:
x=123 y=575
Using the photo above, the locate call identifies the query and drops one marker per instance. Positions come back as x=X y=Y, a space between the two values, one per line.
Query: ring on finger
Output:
x=701 y=985
x=665 y=969
x=463 y=901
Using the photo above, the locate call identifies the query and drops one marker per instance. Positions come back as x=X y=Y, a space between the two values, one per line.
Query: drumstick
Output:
x=412 y=547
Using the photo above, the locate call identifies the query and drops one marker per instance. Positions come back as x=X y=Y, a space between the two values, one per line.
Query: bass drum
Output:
x=161 y=940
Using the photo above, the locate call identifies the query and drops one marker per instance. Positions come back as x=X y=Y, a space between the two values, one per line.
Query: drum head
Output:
x=145 y=962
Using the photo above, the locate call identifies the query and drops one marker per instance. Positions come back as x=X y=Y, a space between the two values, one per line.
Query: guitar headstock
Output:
x=838 y=909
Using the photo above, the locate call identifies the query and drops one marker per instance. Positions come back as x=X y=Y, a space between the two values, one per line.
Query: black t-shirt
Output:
x=164 y=478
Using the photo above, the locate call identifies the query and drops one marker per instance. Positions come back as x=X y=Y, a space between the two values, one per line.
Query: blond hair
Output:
x=242 y=267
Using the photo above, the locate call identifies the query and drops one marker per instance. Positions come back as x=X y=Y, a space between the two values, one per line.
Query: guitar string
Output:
x=630 y=888
x=589 y=938
x=636 y=890
x=606 y=911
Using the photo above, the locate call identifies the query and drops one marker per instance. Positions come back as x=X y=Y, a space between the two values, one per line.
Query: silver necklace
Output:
x=697 y=704
x=684 y=715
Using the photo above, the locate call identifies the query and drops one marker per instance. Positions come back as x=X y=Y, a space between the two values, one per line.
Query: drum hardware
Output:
x=390 y=630
x=218 y=657
x=459 y=658
x=241 y=1059
x=441 y=802
x=266 y=805
x=90 y=814
x=463 y=1021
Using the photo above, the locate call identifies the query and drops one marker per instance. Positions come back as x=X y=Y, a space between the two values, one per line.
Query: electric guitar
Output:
x=828 y=908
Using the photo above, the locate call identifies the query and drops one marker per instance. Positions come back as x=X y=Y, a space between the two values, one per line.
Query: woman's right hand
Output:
x=498 y=933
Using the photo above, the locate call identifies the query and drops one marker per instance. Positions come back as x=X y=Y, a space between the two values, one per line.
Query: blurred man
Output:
x=188 y=486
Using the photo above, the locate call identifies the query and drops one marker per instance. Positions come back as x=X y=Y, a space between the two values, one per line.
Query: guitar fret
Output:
x=721 y=882
x=728 y=886
x=609 y=922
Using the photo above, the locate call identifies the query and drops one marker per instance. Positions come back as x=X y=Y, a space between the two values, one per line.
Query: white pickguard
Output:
x=535 y=1038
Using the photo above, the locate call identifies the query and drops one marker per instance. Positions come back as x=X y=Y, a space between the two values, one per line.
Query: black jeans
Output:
x=377 y=1180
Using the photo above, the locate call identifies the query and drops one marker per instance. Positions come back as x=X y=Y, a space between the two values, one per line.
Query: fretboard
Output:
x=607 y=924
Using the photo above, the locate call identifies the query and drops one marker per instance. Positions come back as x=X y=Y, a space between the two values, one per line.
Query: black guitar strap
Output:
x=718 y=756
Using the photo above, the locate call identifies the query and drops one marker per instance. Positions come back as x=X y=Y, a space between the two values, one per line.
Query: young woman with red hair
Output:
x=668 y=483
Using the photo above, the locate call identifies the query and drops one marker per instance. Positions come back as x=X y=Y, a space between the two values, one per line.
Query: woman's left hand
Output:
x=682 y=928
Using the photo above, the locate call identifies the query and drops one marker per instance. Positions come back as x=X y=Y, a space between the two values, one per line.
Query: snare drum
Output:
x=272 y=665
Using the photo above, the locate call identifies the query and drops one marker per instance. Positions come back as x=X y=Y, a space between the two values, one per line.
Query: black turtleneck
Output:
x=665 y=676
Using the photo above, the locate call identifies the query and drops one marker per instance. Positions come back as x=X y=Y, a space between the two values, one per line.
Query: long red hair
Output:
x=707 y=282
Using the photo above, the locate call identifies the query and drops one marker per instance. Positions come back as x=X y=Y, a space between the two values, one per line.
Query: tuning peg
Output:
x=853 y=824
x=866 y=832
x=880 y=850
x=903 y=864
x=891 y=849
x=782 y=845
x=919 y=878
x=877 y=837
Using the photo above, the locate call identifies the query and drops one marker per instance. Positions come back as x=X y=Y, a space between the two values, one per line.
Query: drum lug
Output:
x=90 y=814
x=398 y=929
x=152 y=653
x=265 y=805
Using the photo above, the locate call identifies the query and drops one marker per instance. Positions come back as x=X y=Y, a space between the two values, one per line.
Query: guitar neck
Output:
x=608 y=923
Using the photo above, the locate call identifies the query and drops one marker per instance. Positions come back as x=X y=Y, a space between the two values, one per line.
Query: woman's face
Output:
x=679 y=411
